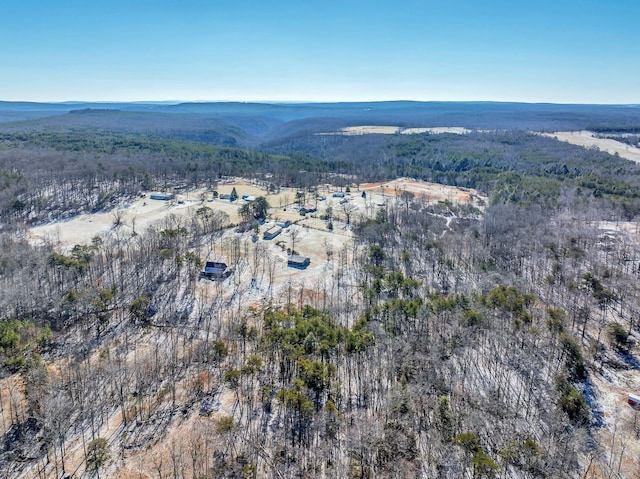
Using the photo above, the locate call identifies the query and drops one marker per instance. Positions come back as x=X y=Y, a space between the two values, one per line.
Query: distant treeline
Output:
x=507 y=165
x=480 y=115
x=98 y=166
x=615 y=129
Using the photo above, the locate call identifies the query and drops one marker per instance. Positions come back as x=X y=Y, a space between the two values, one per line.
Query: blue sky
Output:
x=562 y=51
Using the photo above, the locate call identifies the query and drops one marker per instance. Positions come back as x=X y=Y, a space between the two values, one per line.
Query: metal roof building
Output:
x=297 y=261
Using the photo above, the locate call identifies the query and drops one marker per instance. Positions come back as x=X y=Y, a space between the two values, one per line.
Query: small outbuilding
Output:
x=272 y=232
x=216 y=271
x=297 y=261
x=161 y=196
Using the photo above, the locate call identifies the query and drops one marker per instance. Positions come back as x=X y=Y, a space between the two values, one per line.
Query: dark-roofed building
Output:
x=307 y=209
x=297 y=261
x=215 y=270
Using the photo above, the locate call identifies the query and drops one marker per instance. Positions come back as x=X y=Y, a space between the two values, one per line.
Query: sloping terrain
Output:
x=468 y=308
x=589 y=139
x=472 y=115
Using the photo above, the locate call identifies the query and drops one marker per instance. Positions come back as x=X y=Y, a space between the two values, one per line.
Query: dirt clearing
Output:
x=426 y=190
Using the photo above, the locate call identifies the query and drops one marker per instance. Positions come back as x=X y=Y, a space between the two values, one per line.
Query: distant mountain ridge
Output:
x=252 y=123
x=310 y=107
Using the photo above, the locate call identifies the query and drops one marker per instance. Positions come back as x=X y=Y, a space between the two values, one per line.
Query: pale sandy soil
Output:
x=622 y=424
x=366 y=130
x=314 y=240
x=393 y=130
x=629 y=228
x=428 y=191
x=620 y=434
x=145 y=212
x=144 y=462
x=184 y=437
x=588 y=139
x=458 y=130
x=11 y=396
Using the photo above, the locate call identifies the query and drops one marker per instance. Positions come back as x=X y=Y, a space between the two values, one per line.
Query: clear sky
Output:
x=562 y=51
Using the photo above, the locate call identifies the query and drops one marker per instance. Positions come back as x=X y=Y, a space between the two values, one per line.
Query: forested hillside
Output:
x=431 y=337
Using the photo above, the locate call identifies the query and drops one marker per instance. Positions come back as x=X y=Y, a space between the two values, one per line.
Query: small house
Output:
x=161 y=196
x=297 y=261
x=634 y=401
x=307 y=209
x=272 y=232
x=215 y=270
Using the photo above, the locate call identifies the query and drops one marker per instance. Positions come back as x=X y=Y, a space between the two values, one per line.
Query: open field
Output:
x=262 y=268
x=396 y=130
x=144 y=212
x=589 y=139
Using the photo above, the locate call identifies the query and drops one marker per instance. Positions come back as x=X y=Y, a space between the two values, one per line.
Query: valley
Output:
x=414 y=301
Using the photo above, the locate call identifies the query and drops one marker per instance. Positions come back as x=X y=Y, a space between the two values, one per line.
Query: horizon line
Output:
x=302 y=102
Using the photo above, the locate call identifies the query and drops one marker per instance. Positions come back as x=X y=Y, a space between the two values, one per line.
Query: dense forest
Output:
x=441 y=340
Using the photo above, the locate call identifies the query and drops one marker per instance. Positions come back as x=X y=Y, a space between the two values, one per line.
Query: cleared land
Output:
x=588 y=139
x=309 y=235
x=144 y=212
x=422 y=189
x=396 y=130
